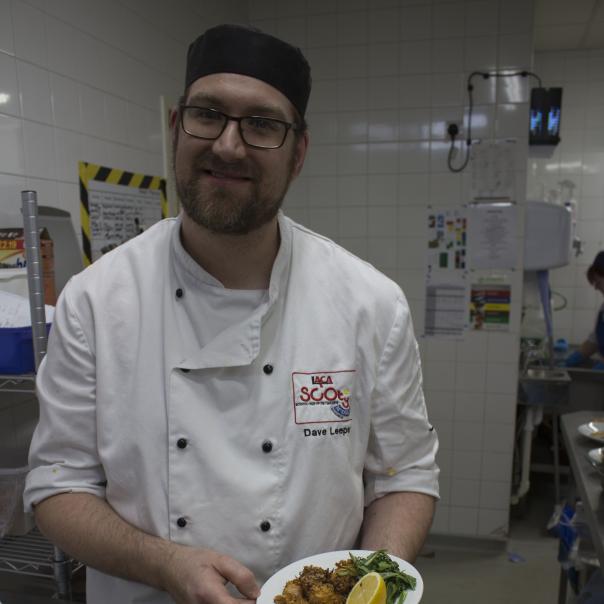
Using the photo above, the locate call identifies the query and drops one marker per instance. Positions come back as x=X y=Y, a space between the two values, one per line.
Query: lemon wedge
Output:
x=369 y=589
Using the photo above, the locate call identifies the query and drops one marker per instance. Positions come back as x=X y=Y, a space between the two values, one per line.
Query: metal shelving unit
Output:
x=32 y=554
x=23 y=383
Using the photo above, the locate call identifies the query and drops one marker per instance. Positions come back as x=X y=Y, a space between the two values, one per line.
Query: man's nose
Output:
x=229 y=145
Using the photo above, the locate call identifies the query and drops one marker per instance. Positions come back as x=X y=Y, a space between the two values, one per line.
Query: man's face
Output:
x=223 y=184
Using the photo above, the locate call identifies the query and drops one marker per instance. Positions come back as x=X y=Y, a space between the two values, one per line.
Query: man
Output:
x=595 y=341
x=229 y=392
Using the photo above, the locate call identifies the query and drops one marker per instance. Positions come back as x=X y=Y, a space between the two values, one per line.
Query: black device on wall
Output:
x=546 y=108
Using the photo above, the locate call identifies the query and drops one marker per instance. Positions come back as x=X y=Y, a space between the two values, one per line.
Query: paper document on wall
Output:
x=446 y=303
x=493 y=169
x=118 y=213
x=493 y=236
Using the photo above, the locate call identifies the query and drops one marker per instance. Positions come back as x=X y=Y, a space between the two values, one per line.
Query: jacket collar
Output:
x=239 y=344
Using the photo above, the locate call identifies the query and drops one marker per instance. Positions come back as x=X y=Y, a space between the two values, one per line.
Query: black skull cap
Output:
x=251 y=52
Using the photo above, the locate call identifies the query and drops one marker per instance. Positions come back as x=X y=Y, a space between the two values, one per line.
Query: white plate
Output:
x=274 y=586
x=593 y=430
x=597 y=456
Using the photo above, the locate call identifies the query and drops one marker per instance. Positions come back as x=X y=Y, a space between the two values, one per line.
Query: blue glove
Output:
x=574 y=359
x=599 y=366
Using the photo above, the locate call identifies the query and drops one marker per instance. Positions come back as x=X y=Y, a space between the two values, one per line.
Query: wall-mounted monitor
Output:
x=546 y=107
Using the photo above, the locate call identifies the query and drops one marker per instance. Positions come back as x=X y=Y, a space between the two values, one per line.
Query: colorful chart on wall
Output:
x=446 y=272
x=447 y=234
x=490 y=303
x=116 y=205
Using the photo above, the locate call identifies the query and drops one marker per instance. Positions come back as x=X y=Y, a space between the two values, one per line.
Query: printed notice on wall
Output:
x=490 y=302
x=117 y=205
x=493 y=235
x=447 y=231
x=118 y=213
x=493 y=174
x=446 y=303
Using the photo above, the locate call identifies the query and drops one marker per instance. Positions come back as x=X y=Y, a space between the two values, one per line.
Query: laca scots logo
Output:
x=322 y=396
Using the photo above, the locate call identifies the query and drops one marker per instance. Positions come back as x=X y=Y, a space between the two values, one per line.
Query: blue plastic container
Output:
x=17 y=350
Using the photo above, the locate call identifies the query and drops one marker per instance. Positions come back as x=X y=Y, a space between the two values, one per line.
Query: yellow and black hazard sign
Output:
x=116 y=205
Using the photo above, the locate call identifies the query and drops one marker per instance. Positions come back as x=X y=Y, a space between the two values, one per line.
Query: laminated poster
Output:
x=490 y=306
x=446 y=273
x=447 y=239
x=116 y=205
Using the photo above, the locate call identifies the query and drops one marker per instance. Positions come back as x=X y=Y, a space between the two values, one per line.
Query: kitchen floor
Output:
x=526 y=571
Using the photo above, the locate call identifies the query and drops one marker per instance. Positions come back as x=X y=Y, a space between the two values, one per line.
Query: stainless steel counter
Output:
x=586 y=478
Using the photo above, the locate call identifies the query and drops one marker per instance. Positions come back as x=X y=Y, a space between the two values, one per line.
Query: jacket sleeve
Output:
x=63 y=454
x=402 y=443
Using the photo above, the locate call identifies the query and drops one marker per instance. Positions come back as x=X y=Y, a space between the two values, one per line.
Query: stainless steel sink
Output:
x=546 y=374
x=544 y=386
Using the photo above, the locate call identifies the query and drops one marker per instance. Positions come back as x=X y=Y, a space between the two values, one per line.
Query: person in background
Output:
x=595 y=341
x=228 y=391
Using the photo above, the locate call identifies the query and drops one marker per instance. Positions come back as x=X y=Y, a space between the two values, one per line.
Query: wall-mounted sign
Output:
x=117 y=205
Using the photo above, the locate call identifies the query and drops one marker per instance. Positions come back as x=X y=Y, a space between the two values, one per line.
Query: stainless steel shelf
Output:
x=20 y=383
x=30 y=554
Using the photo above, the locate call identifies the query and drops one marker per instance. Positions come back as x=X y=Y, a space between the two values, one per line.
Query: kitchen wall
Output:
x=387 y=76
x=579 y=159
x=82 y=81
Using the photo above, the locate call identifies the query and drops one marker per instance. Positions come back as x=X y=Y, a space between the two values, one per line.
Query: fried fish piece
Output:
x=343 y=577
x=324 y=593
x=316 y=585
x=292 y=594
x=312 y=575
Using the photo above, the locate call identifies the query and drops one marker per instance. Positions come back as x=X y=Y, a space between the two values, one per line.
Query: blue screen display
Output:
x=553 y=121
x=545 y=114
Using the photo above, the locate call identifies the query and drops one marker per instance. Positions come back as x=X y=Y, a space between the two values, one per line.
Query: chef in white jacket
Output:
x=229 y=391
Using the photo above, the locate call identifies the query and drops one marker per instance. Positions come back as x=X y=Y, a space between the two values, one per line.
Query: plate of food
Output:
x=594 y=430
x=374 y=577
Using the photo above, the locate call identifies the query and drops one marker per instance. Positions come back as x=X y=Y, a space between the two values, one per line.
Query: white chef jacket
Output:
x=262 y=439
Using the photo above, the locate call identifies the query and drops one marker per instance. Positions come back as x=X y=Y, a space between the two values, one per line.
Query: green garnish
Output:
x=397 y=581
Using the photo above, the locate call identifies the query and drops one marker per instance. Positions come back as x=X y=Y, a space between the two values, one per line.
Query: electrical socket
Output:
x=453 y=124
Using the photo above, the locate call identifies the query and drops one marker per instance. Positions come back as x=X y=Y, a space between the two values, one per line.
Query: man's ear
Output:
x=301 y=148
x=173 y=121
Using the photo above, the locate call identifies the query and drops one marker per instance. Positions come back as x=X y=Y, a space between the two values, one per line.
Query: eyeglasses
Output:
x=256 y=131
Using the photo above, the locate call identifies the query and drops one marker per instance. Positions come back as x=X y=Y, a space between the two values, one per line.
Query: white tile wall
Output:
x=9 y=88
x=6 y=28
x=82 y=82
x=463 y=520
x=12 y=157
x=34 y=85
x=579 y=157
x=65 y=98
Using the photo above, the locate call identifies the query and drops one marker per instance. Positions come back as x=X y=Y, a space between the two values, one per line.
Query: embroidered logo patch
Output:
x=322 y=396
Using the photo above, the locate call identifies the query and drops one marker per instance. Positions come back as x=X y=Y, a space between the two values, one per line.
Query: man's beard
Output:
x=223 y=210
